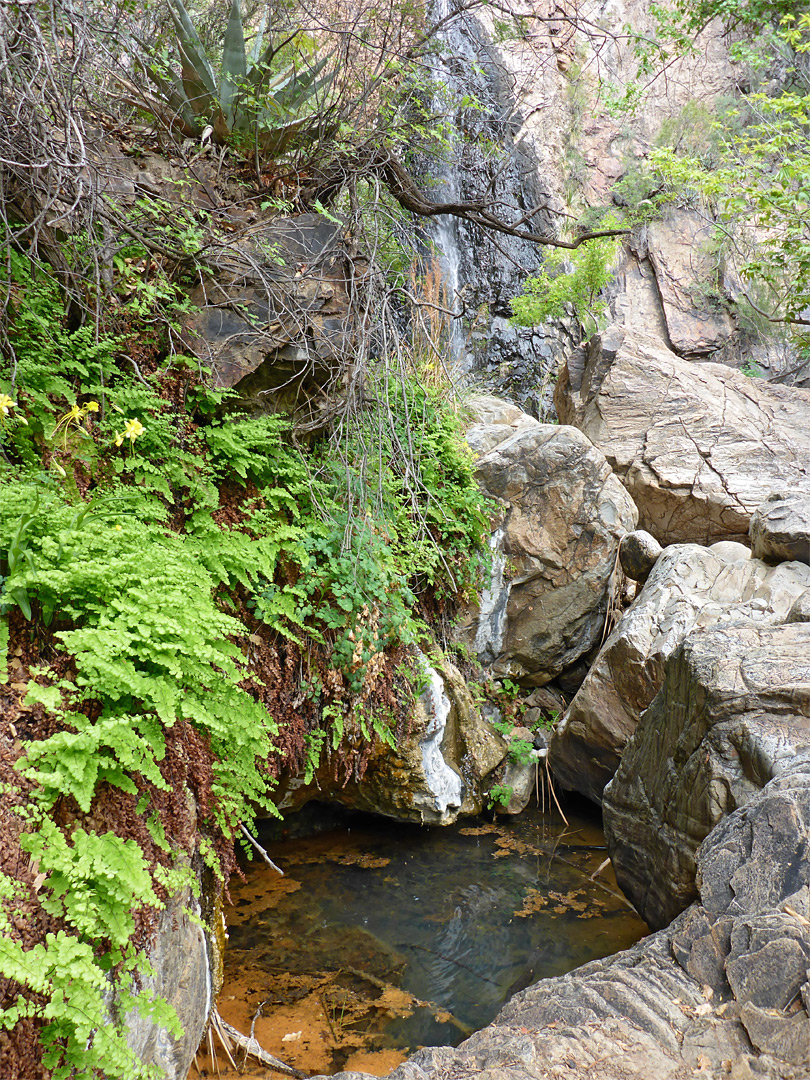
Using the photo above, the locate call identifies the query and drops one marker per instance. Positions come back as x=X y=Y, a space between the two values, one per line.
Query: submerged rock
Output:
x=554 y=551
x=690 y=588
x=698 y=446
x=733 y=715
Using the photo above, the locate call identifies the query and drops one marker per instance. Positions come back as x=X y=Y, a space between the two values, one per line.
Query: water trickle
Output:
x=444 y=783
x=494 y=598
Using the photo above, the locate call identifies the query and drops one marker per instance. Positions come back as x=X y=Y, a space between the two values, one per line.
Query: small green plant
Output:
x=499 y=795
x=520 y=751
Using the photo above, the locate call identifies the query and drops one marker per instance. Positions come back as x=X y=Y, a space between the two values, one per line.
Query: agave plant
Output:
x=273 y=110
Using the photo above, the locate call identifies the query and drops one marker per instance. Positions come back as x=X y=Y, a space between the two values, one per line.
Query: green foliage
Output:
x=520 y=751
x=499 y=795
x=571 y=280
x=248 y=100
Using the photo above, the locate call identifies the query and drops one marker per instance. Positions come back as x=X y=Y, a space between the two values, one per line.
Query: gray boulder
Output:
x=698 y=446
x=690 y=588
x=733 y=714
x=780 y=528
x=562 y=515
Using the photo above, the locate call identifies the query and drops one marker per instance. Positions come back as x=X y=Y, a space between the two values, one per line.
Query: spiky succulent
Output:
x=275 y=110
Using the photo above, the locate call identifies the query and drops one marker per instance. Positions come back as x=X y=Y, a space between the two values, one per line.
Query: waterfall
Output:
x=444 y=783
x=494 y=598
x=483 y=271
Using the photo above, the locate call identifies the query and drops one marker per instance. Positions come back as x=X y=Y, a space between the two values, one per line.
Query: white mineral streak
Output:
x=492 y=615
x=442 y=781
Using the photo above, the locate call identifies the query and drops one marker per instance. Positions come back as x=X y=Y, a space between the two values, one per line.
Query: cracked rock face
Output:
x=563 y=515
x=780 y=528
x=698 y=446
x=732 y=716
x=690 y=588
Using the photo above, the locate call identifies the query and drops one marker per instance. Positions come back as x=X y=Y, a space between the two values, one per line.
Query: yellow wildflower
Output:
x=6 y=403
x=132 y=429
x=119 y=439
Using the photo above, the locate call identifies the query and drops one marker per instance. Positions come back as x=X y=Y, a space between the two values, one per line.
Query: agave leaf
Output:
x=234 y=63
x=174 y=96
x=256 y=51
x=305 y=86
x=199 y=97
x=190 y=47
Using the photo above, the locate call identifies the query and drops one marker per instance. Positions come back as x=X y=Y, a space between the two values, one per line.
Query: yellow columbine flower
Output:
x=91 y=406
x=132 y=429
x=6 y=403
x=119 y=439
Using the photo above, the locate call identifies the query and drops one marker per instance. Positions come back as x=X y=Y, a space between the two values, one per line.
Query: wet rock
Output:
x=638 y=554
x=689 y=588
x=780 y=528
x=179 y=956
x=732 y=716
x=678 y=248
x=698 y=446
x=434 y=774
x=562 y=516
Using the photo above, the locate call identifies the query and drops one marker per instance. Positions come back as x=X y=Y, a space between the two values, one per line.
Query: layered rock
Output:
x=690 y=588
x=698 y=446
x=733 y=714
x=563 y=514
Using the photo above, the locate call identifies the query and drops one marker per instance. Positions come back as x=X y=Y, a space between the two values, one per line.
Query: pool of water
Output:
x=383 y=937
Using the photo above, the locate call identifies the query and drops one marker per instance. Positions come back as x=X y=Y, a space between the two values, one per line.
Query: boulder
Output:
x=182 y=976
x=698 y=446
x=689 y=588
x=780 y=528
x=638 y=554
x=732 y=715
x=679 y=249
x=562 y=515
x=434 y=774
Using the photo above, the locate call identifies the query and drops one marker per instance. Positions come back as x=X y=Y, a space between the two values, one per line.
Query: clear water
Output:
x=459 y=917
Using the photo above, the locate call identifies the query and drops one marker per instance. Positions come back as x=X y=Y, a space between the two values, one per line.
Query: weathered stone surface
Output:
x=780 y=528
x=563 y=514
x=180 y=958
x=678 y=248
x=698 y=446
x=435 y=774
x=275 y=322
x=638 y=554
x=800 y=612
x=732 y=715
x=690 y=588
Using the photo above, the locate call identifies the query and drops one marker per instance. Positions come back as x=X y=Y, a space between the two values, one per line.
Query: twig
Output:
x=251 y=1047
x=261 y=851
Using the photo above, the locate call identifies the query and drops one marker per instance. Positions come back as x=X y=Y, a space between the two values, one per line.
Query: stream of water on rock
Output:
x=384 y=937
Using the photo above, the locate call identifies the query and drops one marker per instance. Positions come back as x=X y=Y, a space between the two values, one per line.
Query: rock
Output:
x=434 y=774
x=519 y=773
x=275 y=323
x=780 y=528
x=679 y=250
x=689 y=588
x=800 y=612
x=554 y=553
x=732 y=715
x=698 y=446
x=179 y=956
x=638 y=554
